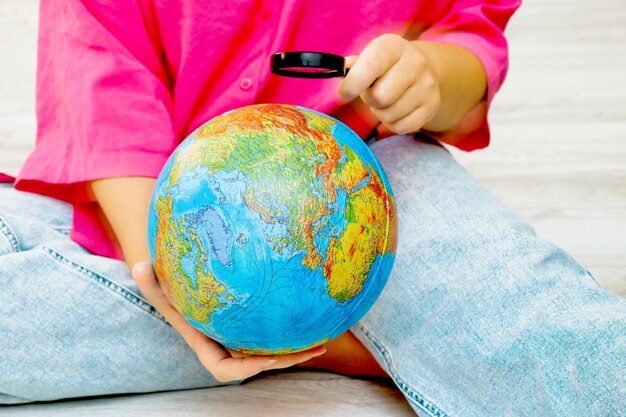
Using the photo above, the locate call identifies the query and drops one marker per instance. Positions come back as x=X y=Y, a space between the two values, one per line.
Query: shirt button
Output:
x=245 y=83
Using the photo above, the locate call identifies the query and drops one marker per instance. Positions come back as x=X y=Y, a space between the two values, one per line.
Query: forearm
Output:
x=125 y=202
x=462 y=82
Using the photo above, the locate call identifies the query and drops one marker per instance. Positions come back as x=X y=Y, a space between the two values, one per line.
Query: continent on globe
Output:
x=272 y=228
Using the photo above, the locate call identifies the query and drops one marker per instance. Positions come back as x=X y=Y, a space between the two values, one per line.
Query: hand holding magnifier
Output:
x=392 y=76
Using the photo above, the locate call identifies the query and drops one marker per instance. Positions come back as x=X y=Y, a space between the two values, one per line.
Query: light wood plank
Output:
x=295 y=394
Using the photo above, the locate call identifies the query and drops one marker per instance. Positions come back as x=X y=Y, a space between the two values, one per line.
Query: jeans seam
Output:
x=116 y=288
x=64 y=231
x=420 y=400
x=9 y=234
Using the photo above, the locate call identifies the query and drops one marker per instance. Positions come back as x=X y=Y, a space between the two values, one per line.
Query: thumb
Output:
x=142 y=271
x=147 y=282
x=350 y=60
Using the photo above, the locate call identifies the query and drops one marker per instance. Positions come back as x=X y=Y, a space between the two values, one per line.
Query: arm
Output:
x=461 y=79
x=444 y=81
x=125 y=202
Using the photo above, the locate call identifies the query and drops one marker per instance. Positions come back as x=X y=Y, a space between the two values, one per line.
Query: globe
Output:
x=272 y=228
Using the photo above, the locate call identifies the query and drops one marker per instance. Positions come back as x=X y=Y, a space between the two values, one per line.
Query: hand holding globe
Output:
x=224 y=364
x=272 y=229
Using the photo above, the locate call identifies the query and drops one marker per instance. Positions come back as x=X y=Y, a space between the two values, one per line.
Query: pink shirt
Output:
x=121 y=83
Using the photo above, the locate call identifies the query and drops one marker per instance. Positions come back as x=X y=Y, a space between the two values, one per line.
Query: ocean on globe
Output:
x=272 y=228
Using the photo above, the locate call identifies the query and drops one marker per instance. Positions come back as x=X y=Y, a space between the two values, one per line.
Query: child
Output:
x=479 y=316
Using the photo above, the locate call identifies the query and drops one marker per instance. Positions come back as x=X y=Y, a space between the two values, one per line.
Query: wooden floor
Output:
x=558 y=159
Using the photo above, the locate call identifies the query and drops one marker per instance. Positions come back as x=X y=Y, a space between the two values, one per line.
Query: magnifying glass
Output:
x=313 y=65
x=308 y=65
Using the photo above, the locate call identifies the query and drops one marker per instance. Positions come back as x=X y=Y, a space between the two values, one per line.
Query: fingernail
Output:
x=140 y=264
x=269 y=363
x=135 y=269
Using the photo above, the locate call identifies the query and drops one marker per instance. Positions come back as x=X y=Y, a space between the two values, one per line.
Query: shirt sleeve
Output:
x=103 y=103
x=477 y=25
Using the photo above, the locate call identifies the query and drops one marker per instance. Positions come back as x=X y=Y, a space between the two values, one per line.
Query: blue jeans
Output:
x=479 y=317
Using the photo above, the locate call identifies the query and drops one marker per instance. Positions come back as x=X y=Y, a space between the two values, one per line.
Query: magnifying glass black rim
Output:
x=334 y=65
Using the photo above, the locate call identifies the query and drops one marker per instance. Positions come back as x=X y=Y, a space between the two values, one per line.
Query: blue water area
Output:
x=188 y=263
x=331 y=225
x=280 y=302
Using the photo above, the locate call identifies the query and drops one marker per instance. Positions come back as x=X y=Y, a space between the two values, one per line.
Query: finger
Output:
x=237 y=354
x=350 y=60
x=375 y=59
x=289 y=360
x=230 y=369
x=412 y=122
x=402 y=108
x=277 y=361
x=392 y=85
x=425 y=93
x=152 y=291
x=144 y=276
x=286 y=357
x=407 y=103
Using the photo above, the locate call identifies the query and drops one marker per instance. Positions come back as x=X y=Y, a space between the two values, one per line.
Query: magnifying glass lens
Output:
x=308 y=65
x=309 y=70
